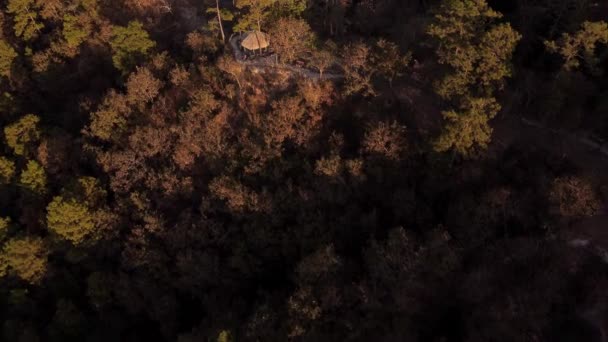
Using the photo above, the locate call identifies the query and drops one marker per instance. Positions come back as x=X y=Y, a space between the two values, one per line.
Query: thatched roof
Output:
x=255 y=40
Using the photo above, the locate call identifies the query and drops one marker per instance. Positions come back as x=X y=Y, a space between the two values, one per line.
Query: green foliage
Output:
x=477 y=49
x=130 y=45
x=7 y=56
x=255 y=15
x=89 y=190
x=288 y=8
x=24 y=257
x=33 y=177
x=224 y=336
x=389 y=61
x=581 y=46
x=7 y=170
x=75 y=32
x=22 y=134
x=70 y=219
x=26 y=18
x=468 y=129
x=5 y=223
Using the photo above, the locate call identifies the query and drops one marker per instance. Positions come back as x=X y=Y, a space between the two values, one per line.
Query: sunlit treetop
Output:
x=21 y=135
x=467 y=129
x=25 y=258
x=7 y=170
x=26 y=18
x=580 y=48
x=7 y=57
x=471 y=41
x=33 y=177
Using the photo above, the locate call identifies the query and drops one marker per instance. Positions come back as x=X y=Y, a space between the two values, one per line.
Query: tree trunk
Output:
x=219 y=19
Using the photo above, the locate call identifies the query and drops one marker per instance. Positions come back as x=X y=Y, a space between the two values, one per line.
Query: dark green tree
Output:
x=130 y=45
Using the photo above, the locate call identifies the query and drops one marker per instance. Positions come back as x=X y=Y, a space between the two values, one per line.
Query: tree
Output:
x=33 y=177
x=358 y=69
x=27 y=25
x=77 y=214
x=478 y=51
x=130 y=45
x=256 y=14
x=142 y=87
x=5 y=223
x=7 y=56
x=222 y=15
x=288 y=8
x=76 y=29
x=474 y=46
x=70 y=219
x=581 y=46
x=291 y=38
x=386 y=140
x=574 y=197
x=110 y=120
x=322 y=59
x=7 y=170
x=468 y=129
x=22 y=134
x=389 y=61
x=25 y=257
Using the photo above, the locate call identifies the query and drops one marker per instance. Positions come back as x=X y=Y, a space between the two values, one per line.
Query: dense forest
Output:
x=370 y=170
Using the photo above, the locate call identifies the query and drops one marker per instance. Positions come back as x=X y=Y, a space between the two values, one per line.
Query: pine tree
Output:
x=22 y=134
x=33 y=178
x=7 y=57
x=26 y=18
x=468 y=129
x=478 y=51
x=257 y=11
x=7 y=170
x=475 y=47
x=70 y=219
x=25 y=257
x=581 y=46
x=130 y=45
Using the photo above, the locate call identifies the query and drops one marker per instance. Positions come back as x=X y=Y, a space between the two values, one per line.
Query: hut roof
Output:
x=255 y=40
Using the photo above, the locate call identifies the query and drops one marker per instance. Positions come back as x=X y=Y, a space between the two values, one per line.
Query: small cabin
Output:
x=255 y=42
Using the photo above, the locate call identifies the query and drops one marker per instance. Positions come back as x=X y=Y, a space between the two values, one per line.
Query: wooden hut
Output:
x=255 y=41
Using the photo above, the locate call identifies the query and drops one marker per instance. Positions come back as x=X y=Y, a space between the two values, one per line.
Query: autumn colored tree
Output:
x=291 y=39
x=386 y=140
x=391 y=63
x=322 y=59
x=130 y=45
x=358 y=69
x=574 y=197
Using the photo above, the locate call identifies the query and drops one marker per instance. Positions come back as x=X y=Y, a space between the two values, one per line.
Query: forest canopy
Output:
x=359 y=170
